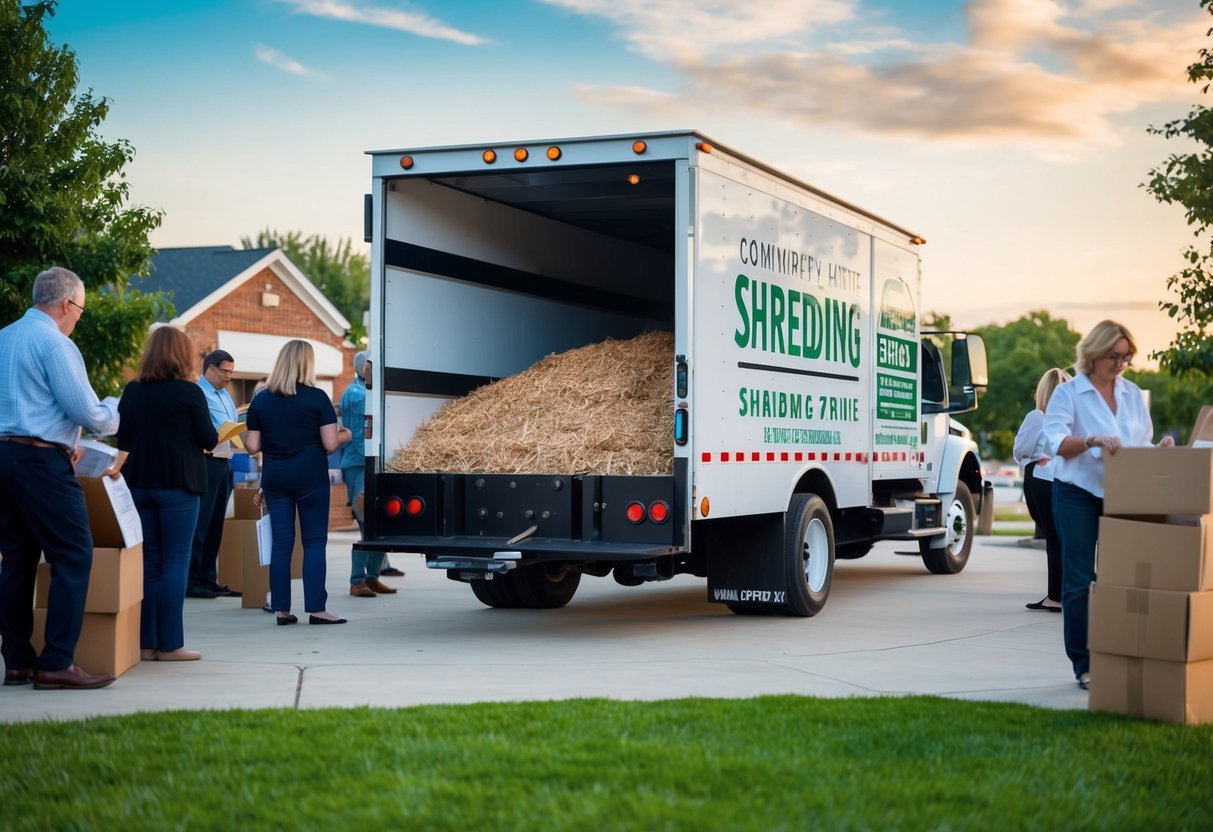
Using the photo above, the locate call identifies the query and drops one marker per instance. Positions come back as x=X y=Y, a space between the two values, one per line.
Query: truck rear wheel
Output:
x=543 y=586
x=959 y=528
x=496 y=593
x=808 y=555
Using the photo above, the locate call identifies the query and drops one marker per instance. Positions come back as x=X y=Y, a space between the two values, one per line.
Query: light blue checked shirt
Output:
x=44 y=388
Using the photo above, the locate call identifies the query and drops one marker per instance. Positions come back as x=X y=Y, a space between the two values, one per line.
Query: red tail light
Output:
x=659 y=511
x=393 y=506
x=635 y=512
x=414 y=506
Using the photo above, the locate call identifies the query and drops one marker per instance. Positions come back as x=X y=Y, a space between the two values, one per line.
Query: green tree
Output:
x=62 y=196
x=1018 y=353
x=1187 y=179
x=343 y=276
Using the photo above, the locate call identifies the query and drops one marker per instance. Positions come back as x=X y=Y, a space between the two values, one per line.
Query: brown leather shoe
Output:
x=383 y=589
x=70 y=677
x=21 y=676
x=361 y=591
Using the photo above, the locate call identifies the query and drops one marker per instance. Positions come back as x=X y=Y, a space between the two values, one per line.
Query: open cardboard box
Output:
x=1177 y=480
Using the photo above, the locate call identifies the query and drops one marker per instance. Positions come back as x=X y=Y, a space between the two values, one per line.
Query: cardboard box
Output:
x=1158 y=481
x=1151 y=623
x=1179 y=692
x=243 y=506
x=109 y=642
x=114 y=584
x=112 y=515
x=1153 y=554
x=240 y=566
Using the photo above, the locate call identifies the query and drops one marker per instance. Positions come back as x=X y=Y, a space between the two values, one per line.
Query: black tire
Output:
x=960 y=524
x=808 y=555
x=851 y=551
x=496 y=593
x=544 y=586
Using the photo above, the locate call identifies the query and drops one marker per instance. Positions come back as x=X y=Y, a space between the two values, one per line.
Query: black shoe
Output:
x=315 y=619
x=283 y=620
x=199 y=591
x=268 y=608
x=223 y=590
x=392 y=572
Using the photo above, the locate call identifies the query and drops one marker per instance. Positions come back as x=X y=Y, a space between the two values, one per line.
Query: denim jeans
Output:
x=312 y=505
x=1076 y=512
x=169 y=517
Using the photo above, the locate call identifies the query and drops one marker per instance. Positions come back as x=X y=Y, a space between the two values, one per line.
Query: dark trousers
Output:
x=169 y=517
x=312 y=505
x=41 y=511
x=208 y=533
x=1077 y=512
x=1038 y=494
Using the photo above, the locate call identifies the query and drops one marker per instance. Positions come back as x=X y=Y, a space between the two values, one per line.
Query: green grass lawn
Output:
x=770 y=763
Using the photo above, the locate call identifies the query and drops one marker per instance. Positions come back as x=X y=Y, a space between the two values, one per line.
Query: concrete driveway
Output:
x=889 y=628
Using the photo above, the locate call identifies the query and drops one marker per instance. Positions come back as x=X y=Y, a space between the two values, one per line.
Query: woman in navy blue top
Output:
x=165 y=426
x=294 y=427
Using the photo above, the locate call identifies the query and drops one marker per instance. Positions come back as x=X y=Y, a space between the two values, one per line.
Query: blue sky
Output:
x=1010 y=133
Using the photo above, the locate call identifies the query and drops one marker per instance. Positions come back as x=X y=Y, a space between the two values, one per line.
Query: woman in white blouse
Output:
x=1097 y=413
x=1030 y=454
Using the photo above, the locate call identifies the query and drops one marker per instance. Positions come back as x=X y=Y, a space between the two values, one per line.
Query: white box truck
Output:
x=809 y=415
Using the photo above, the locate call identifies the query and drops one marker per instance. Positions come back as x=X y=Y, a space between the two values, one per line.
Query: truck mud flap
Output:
x=743 y=566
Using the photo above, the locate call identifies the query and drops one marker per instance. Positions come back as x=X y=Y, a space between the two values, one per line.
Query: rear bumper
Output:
x=529 y=550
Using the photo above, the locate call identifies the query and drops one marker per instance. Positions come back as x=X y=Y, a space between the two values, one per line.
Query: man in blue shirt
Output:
x=203 y=582
x=45 y=398
x=365 y=567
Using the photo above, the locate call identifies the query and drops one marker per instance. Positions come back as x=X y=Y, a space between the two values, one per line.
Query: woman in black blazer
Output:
x=165 y=426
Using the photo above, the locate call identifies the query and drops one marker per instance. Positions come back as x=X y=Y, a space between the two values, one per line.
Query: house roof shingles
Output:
x=187 y=275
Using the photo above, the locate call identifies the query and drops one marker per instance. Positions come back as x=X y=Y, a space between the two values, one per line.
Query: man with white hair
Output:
x=45 y=398
x=365 y=567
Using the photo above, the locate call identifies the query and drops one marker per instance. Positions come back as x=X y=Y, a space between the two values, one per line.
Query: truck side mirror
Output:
x=969 y=362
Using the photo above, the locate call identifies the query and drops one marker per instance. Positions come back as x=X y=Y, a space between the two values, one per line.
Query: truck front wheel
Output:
x=959 y=527
x=808 y=555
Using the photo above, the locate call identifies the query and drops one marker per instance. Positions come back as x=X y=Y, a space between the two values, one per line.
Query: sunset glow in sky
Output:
x=1010 y=133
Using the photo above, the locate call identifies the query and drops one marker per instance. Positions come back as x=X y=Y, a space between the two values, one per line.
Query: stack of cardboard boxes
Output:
x=109 y=640
x=239 y=565
x=1151 y=615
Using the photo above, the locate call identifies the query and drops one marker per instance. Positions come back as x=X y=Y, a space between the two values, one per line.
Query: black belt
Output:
x=35 y=442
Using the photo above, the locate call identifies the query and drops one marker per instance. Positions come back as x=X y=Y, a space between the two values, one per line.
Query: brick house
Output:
x=250 y=302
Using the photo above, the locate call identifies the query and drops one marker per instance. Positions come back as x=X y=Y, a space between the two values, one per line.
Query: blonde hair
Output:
x=296 y=364
x=1096 y=343
x=1049 y=382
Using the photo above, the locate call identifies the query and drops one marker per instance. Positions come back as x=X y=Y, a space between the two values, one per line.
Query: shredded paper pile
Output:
x=605 y=408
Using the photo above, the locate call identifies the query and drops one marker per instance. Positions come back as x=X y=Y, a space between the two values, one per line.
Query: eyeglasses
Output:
x=1125 y=358
x=78 y=306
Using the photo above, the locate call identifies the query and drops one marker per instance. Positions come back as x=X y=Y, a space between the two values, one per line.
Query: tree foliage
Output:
x=343 y=276
x=1187 y=179
x=1019 y=353
x=62 y=196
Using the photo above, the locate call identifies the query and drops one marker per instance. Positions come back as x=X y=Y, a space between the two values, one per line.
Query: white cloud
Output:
x=1049 y=73
x=414 y=22
x=287 y=64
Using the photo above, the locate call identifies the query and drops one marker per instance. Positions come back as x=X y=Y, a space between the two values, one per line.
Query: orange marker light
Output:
x=917 y=241
x=639 y=147
x=703 y=147
x=520 y=154
x=704 y=507
x=406 y=162
x=489 y=156
x=554 y=153
x=633 y=179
